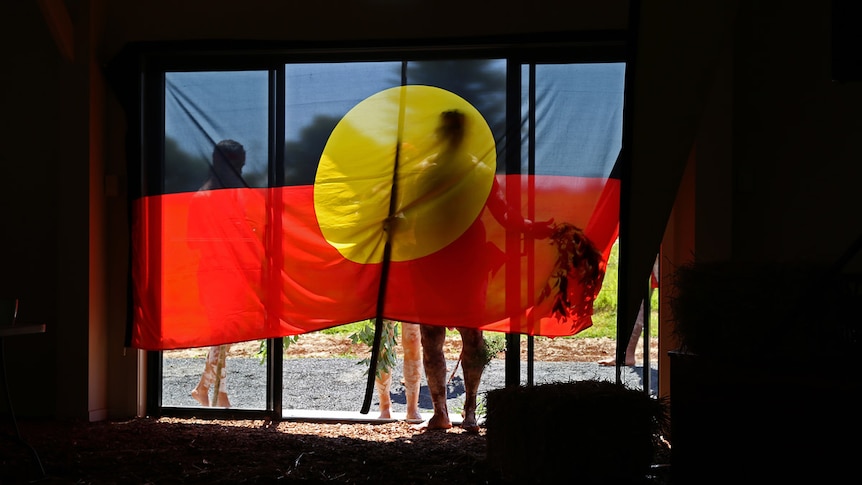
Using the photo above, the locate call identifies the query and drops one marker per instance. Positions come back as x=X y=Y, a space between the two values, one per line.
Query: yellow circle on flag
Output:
x=392 y=169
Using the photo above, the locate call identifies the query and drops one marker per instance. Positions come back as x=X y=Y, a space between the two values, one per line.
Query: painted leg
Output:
x=634 y=338
x=383 y=379
x=383 y=384
x=435 y=373
x=221 y=399
x=411 y=342
x=473 y=364
x=637 y=330
x=202 y=390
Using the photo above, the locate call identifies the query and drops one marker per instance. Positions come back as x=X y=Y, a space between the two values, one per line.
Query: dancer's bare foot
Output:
x=414 y=417
x=439 y=421
x=201 y=396
x=469 y=423
x=432 y=425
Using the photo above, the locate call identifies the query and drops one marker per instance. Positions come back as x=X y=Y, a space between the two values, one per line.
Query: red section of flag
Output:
x=203 y=272
x=232 y=265
x=318 y=287
x=200 y=261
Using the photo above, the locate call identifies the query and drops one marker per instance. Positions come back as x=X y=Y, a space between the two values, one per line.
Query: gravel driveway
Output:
x=313 y=386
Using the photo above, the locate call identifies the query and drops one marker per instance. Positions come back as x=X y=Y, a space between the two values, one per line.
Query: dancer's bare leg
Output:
x=411 y=342
x=434 y=361
x=221 y=374
x=383 y=384
x=634 y=338
x=383 y=379
x=473 y=363
x=202 y=390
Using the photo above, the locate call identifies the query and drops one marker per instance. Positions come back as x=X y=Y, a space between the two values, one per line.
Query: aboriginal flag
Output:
x=388 y=189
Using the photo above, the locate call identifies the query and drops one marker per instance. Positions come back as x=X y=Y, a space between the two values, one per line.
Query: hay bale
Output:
x=574 y=432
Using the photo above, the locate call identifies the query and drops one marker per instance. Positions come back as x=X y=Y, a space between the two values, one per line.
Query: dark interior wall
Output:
x=796 y=138
x=29 y=201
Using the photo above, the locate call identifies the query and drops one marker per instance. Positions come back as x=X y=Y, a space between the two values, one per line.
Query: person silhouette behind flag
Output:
x=470 y=259
x=223 y=227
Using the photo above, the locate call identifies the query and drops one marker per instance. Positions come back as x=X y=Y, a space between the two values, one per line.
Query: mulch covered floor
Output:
x=174 y=450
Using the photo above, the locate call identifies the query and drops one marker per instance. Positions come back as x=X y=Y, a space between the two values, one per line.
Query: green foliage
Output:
x=606 y=300
x=346 y=328
x=605 y=306
x=387 y=358
x=481 y=405
x=286 y=341
x=364 y=334
x=495 y=342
